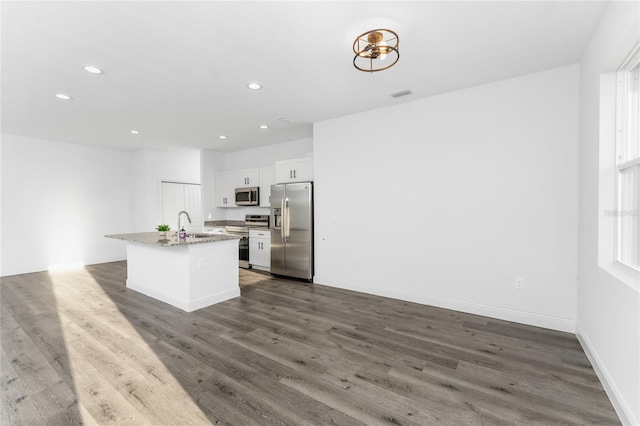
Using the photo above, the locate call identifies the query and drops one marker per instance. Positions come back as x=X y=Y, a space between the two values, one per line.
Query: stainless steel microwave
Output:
x=248 y=196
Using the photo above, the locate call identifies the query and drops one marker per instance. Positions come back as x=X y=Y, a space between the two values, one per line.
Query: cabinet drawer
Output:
x=259 y=234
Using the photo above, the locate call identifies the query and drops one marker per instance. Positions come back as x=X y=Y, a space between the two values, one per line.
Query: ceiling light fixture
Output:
x=134 y=132
x=254 y=86
x=372 y=49
x=92 y=69
x=264 y=126
x=63 y=97
x=222 y=137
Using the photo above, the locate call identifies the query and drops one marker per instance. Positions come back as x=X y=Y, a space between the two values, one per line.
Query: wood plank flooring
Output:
x=80 y=348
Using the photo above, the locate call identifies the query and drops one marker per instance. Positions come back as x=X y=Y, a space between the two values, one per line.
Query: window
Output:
x=627 y=221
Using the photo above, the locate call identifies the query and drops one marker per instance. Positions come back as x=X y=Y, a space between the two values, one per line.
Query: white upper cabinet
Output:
x=267 y=178
x=296 y=170
x=225 y=189
x=247 y=177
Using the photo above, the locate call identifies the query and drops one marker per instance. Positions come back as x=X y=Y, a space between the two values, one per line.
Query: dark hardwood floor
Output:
x=80 y=348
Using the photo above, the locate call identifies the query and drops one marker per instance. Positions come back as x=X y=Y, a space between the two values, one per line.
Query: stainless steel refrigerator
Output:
x=292 y=230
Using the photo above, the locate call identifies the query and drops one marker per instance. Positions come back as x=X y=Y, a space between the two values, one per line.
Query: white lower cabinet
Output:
x=260 y=249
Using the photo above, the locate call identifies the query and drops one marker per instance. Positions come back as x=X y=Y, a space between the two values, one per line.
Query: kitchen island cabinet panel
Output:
x=189 y=274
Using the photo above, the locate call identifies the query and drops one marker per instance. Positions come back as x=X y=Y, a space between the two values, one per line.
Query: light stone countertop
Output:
x=170 y=240
x=215 y=223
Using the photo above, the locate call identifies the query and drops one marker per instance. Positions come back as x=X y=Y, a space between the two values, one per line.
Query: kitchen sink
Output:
x=200 y=235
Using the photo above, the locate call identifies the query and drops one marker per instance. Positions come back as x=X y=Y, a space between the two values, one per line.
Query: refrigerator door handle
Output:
x=285 y=213
x=282 y=219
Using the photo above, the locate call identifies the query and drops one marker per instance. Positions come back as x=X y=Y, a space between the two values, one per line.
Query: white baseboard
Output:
x=163 y=297
x=106 y=259
x=528 y=318
x=622 y=409
x=185 y=305
x=261 y=268
x=213 y=299
x=85 y=262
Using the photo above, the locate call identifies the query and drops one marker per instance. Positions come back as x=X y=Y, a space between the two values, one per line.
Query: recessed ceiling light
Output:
x=63 y=96
x=264 y=126
x=92 y=69
x=135 y=132
x=222 y=137
x=254 y=86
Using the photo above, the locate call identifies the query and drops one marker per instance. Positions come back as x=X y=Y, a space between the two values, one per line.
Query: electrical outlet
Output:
x=202 y=263
x=519 y=283
x=356 y=262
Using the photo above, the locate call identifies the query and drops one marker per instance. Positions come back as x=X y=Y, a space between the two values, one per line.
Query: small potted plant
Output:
x=163 y=229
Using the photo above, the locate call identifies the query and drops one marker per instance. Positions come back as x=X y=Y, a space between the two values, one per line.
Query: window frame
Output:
x=629 y=69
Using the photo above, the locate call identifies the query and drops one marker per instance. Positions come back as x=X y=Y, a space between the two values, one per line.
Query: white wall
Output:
x=150 y=168
x=608 y=311
x=445 y=200
x=268 y=155
x=212 y=162
x=58 y=202
x=60 y=199
x=1 y=274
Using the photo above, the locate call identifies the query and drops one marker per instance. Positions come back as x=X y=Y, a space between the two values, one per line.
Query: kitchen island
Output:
x=189 y=273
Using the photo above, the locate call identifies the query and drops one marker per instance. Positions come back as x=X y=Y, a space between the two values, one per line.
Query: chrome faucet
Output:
x=179 y=214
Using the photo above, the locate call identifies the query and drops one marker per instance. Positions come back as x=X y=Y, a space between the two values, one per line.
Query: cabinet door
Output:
x=255 y=255
x=260 y=249
x=266 y=252
x=267 y=178
x=247 y=177
x=225 y=189
x=284 y=171
x=296 y=170
x=303 y=169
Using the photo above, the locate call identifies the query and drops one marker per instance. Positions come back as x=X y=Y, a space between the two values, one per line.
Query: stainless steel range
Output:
x=250 y=221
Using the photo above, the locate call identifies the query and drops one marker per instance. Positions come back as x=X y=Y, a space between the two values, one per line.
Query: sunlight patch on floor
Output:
x=98 y=336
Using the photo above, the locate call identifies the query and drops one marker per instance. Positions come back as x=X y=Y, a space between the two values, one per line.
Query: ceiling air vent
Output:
x=287 y=119
x=401 y=93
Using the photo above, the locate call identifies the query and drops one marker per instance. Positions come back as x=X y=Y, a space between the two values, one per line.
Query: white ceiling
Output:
x=177 y=71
